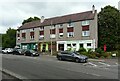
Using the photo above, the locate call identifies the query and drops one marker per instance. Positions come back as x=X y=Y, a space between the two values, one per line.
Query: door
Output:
x=60 y=47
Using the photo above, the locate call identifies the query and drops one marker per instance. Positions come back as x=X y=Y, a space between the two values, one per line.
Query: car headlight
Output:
x=33 y=53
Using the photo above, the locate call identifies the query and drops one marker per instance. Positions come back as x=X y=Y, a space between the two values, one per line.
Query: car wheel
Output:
x=77 y=60
x=59 y=58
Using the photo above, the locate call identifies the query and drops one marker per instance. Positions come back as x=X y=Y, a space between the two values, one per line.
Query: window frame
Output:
x=86 y=22
x=70 y=34
x=85 y=33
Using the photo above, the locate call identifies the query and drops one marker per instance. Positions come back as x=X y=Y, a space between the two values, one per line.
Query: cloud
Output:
x=13 y=12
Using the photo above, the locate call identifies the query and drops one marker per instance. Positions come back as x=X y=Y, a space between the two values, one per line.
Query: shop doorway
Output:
x=60 y=47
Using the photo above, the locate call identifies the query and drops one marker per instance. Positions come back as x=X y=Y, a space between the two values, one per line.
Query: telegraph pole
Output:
x=51 y=36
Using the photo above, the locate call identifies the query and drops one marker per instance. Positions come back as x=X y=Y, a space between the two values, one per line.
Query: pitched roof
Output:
x=61 y=19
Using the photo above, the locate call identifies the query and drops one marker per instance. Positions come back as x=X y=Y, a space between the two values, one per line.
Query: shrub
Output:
x=82 y=50
x=90 y=51
x=92 y=55
x=99 y=50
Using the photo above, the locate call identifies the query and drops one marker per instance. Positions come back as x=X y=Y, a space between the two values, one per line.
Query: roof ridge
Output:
x=69 y=14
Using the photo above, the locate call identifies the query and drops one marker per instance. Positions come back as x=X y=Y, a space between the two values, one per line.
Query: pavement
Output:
x=48 y=67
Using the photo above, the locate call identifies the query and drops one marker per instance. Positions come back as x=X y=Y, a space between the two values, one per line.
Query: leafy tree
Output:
x=9 y=39
x=30 y=19
x=109 y=28
x=0 y=40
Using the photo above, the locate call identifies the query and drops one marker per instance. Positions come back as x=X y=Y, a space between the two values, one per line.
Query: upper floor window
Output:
x=41 y=28
x=60 y=25
x=70 y=29
x=70 y=34
x=86 y=22
x=31 y=35
x=70 y=24
x=23 y=36
x=52 y=27
x=52 y=31
x=31 y=30
x=85 y=33
x=60 y=35
x=41 y=35
x=61 y=30
x=85 y=28
x=18 y=31
x=23 y=31
x=18 y=36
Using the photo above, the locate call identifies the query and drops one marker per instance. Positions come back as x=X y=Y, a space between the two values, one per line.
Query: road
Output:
x=48 y=67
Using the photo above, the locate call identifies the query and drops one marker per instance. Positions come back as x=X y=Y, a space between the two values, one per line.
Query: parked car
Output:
x=71 y=56
x=7 y=50
x=18 y=51
x=31 y=53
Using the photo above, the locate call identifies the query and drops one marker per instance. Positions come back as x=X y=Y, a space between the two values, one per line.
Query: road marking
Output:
x=90 y=64
x=104 y=63
x=95 y=74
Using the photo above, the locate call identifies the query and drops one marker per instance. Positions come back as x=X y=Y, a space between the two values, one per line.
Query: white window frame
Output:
x=18 y=38
x=85 y=33
x=68 y=34
x=52 y=35
x=41 y=28
x=86 y=22
x=41 y=37
x=60 y=34
x=32 y=37
x=71 y=24
x=23 y=31
x=52 y=27
x=90 y=45
x=31 y=30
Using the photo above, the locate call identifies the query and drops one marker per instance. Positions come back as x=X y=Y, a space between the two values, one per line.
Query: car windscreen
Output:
x=32 y=51
x=76 y=53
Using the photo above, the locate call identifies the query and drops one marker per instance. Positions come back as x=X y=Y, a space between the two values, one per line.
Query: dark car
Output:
x=31 y=53
x=71 y=56
x=18 y=51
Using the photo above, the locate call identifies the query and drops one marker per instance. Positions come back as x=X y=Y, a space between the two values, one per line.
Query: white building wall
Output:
x=78 y=42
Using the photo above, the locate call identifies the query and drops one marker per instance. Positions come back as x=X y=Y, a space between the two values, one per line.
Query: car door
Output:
x=69 y=56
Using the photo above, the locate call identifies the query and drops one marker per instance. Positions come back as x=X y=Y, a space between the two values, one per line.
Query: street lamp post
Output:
x=51 y=36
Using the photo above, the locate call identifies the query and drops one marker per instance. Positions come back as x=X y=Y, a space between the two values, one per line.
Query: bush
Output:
x=99 y=50
x=82 y=50
x=92 y=55
x=90 y=51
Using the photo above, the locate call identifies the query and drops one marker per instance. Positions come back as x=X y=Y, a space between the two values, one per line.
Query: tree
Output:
x=30 y=19
x=0 y=40
x=9 y=39
x=109 y=28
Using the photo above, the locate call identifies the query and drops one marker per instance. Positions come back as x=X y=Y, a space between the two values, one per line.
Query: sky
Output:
x=13 y=12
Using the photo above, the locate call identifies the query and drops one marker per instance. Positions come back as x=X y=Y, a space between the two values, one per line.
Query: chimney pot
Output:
x=93 y=9
x=42 y=19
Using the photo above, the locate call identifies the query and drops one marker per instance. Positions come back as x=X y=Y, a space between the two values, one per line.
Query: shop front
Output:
x=29 y=46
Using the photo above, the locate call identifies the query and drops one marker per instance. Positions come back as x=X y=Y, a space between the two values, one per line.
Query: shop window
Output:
x=88 y=44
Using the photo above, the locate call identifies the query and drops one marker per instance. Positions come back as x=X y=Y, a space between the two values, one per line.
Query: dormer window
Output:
x=70 y=24
x=41 y=28
x=31 y=30
x=60 y=25
x=86 y=22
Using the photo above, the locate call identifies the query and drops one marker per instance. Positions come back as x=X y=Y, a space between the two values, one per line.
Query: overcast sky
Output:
x=13 y=13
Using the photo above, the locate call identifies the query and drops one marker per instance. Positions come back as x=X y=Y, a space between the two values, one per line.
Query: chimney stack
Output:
x=93 y=9
x=42 y=19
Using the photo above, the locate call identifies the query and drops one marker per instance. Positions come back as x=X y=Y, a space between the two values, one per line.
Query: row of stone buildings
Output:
x=66 y=32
